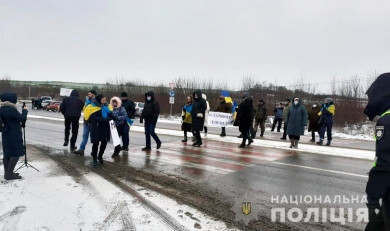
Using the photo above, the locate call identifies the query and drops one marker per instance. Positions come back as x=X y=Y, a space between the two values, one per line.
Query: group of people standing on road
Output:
x=249 y=118
x=97 y=112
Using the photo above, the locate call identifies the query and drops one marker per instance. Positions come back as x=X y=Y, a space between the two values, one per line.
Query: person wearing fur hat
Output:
x=378 y=185
x=119 y=115
x=326 y=121
x=12 y=139
x=99 y=115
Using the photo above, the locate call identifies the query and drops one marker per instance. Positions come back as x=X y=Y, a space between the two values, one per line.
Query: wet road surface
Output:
x=232 y=172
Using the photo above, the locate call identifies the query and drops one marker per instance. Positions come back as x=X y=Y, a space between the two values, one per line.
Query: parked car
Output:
x=53 y=106
x=139 y=107
x=46 y=100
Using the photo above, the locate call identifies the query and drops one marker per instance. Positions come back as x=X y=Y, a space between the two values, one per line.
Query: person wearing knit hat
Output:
x=326 y=121
x=129 y=106
x=86 y=128
x=261 y=114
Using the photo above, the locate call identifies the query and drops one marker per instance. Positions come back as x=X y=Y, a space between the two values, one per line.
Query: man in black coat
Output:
x=378 y=185
x=129 y=105
x=150 y=115
x=71 y=108
x=244 y=118
x=199 y=107
x=12 y=135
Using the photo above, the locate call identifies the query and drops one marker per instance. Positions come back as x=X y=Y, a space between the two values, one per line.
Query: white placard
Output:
x=172 y=86
x=114 y=134
x=219 y=119
x=65 y=91
x=172 y=100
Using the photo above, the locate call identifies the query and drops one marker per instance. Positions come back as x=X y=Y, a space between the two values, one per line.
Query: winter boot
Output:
x=262 y=134
x=313 y=137
x=296 y=142
x=125 y=149
x=184 y=140
x=292 y=143
x=250 y=141
x=283 y=138
x=158 y=146
x=94 y=158
x=223 y=134
x=321 y=142
x=240 y=136
x=115 y=154
x=66 y=143
x=5 y=163
x=146 y=149
x=10 y=175
x=79 y=152
x=328 y=143
x=72 y=148
x=242 y=145
x=100 y=159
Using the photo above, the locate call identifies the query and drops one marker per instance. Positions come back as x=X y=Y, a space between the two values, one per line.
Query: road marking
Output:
x=304 y=148
x=320 y=169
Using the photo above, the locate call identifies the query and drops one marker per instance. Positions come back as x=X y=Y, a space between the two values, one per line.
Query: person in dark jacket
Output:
x=278 y=117
x=313 y=121
x=150 y=115
x=296 y=122
x=224 y=108
x=12 y=140
x=119 y=115
x=260 y=115
x=129 y=105
x=244 y=118
x=287 y=106
x=378 y=185
x=100 y=127
x=326 y=117
x=71 y=108
x=199 y=107
x=86 y=128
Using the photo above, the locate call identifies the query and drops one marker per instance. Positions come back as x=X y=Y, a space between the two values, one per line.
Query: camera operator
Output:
x=12 y=135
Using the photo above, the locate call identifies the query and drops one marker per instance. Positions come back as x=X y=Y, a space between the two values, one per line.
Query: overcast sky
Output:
x=273 y=40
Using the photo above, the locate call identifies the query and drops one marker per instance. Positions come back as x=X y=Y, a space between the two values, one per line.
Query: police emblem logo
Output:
x=379 y=132
x=246 y=208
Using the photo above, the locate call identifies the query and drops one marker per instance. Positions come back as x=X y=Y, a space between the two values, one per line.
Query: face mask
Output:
x=296 y=102
x=149 y=98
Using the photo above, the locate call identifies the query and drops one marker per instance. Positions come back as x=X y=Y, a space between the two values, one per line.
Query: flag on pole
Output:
x=226 y=94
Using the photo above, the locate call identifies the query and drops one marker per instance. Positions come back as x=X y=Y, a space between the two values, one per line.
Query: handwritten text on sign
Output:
x=219 y=119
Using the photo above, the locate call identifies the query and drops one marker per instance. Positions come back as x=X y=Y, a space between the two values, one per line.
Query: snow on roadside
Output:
x=53 y=200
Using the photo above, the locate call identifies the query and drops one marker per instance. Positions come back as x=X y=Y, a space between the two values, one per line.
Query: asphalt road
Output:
x=254 y=174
